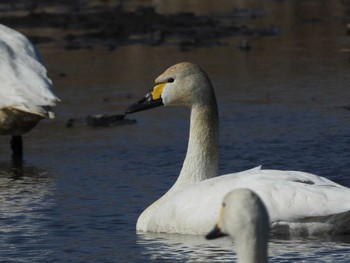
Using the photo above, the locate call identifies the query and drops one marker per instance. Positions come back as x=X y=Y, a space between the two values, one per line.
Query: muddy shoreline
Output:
x=100 y=24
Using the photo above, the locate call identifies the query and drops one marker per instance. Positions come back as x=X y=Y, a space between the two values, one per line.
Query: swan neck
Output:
x=201 y=160
x=251 y=250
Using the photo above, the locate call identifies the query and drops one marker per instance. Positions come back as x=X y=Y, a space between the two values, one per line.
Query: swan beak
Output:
x=215 y=233
x=151 y=100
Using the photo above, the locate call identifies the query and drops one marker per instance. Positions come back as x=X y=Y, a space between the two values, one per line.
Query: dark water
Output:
x=283 y=104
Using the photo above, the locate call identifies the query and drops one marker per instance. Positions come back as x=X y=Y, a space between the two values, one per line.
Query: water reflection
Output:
x=20 y=170
x=23 y=202
x=187 y=248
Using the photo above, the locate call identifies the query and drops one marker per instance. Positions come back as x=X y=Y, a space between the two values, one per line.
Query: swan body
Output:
x=26 y=94
x=299 y=203
x=245 y=219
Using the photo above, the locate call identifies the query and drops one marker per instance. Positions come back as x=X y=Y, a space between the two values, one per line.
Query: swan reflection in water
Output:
x=25 y=198
x=193 y=248
x=17 y=170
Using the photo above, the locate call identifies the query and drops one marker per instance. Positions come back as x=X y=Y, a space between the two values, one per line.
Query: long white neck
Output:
x=251 y=249
x=201 y=160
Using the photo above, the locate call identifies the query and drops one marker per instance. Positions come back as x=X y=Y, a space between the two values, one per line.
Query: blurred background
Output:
x=280 y=69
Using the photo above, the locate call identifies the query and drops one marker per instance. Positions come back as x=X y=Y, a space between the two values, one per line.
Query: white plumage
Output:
x=299 y=203
x=26 y=94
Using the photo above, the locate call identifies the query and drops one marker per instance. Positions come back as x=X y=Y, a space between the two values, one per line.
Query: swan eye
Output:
x=170 y=80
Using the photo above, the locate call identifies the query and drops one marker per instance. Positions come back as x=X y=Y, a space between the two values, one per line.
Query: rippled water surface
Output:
x=283 y=104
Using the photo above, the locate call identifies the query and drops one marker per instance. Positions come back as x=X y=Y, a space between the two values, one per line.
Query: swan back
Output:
x=23 y=77
x=245 y=218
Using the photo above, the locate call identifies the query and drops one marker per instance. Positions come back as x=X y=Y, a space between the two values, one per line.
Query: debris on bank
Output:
x=101 y=120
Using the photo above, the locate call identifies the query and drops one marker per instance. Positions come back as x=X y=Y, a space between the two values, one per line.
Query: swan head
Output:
x=242 y=216
x=183 y=84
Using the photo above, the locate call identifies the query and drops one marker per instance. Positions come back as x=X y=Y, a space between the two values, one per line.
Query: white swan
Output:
x=25 y=90
x=244 y=217
x=298 y=203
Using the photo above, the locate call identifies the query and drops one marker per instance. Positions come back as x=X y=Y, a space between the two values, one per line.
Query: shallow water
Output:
x=283 y=104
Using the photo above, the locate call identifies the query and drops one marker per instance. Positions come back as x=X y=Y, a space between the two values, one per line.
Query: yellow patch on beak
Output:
x=157 y=90
x=220 y=216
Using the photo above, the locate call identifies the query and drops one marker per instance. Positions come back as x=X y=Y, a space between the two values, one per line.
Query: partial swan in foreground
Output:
x=26 y=94
x=299 y=203
x=244 y=218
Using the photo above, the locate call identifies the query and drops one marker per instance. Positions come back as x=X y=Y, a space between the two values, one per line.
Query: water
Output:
x=79 y=192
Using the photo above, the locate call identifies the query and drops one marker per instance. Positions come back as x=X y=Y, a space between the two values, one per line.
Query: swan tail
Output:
x=335 y=224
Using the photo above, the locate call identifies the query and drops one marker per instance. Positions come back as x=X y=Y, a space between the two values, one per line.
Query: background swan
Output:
x=26 y=94
x=245 y=219
x=298 y=203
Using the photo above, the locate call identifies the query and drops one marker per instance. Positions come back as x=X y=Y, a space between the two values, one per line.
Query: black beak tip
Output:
x=145 y=103
x=129 y=110
x=215 y=233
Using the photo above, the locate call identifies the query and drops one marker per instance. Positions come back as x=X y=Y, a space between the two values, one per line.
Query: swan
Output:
x=26 y=94
x=298 y=203
x=245 y=219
